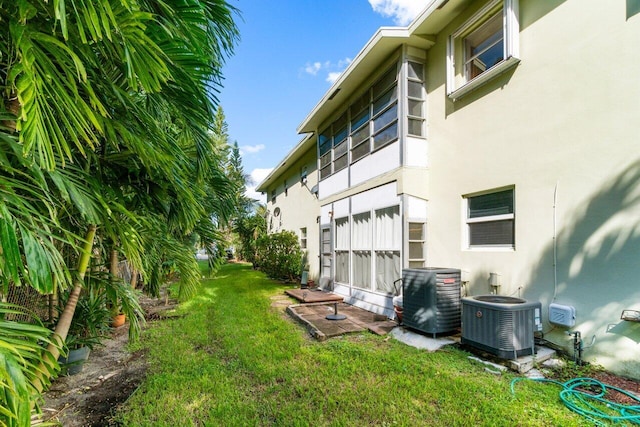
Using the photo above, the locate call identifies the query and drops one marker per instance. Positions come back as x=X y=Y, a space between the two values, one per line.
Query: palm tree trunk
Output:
x=114 y=271
x=134 y=277
x=113 y=263
x=64 y=321
x=13 y=106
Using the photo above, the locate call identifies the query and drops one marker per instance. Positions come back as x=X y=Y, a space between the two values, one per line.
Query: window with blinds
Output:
x=491 y=219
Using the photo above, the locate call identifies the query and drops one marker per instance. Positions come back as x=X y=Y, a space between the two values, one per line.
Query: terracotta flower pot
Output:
x=118 y=320
x=398 y=311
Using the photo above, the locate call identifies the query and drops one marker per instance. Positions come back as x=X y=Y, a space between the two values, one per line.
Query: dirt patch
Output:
x=110 y=376
x=627 y=384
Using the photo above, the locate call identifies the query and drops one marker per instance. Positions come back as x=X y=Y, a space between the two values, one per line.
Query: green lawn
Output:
x=233 y=360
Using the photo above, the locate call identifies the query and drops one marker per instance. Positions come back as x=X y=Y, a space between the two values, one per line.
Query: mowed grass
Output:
x=231 y=359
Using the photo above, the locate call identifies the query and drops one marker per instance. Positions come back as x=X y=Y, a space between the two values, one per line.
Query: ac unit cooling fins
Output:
x=431 y=299
x=500 y=325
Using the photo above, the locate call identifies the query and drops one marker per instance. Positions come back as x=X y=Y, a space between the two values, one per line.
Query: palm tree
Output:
x=104 y=114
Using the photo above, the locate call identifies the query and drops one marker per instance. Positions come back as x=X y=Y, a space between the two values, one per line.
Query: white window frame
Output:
x=342 y=246
x=361 y=245
x=333 y=156
x=303 y=238
x=457 y=86
x=326 y=261
x=422 y=100
x=422 y=241
x=489 y=218
x=385 y=245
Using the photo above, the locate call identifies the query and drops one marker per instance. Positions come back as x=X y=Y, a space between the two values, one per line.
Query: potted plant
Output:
x=89 y=325
x=123 y=302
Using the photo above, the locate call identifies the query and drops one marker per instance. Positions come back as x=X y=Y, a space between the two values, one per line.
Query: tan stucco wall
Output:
x=566 y=120
x=299 y=208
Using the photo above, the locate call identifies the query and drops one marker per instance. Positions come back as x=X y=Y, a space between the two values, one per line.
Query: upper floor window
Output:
x=415 y=99
x=360 y=130
x=324 y=148
x=491 y=219
x=340 y=144
x=370 y=122
x=385 y=109
x=273 y=196
x=483 y=47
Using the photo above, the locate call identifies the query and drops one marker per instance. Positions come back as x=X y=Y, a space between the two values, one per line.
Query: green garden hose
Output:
x=593 y=406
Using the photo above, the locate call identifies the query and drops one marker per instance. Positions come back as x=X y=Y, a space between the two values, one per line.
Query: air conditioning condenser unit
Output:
x=431 y=299
x=500 y=325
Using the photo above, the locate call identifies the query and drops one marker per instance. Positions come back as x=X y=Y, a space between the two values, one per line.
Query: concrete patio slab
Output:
x=424 y=342
x=313 y=295
x=314 y=317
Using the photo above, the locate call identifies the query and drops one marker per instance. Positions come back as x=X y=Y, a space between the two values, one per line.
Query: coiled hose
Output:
x=594 y=407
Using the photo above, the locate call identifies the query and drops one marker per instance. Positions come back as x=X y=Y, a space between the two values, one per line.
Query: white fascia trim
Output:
x=426 y=12
x=381 y=34
x=280 y=168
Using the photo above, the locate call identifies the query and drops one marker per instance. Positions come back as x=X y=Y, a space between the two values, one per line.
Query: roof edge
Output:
x=277 y=171
x=382 y=33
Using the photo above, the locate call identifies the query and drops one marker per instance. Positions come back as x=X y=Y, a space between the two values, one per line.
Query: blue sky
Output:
x=289 y=54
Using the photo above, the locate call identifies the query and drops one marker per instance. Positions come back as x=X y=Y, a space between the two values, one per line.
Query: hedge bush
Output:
x=279 y=255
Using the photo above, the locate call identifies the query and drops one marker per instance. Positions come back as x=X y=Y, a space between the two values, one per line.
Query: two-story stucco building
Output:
x=492 y=136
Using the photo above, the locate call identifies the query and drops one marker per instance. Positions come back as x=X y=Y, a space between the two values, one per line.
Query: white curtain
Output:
x=361 y=241
x=387 y=270
x=388 y=242
x=342 y=266
x=362 y=231
x=342 y=234
x=342 y=250
x=388 y=229
x=362 y=269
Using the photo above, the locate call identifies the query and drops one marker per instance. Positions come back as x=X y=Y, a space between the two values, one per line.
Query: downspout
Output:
x=555 y=242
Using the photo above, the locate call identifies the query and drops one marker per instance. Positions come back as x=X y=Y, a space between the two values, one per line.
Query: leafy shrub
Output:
x=249 y=230
x=279 y=255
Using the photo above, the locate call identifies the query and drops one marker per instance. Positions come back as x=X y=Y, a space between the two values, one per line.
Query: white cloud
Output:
x=332 y=77
x=252 y=149
x=333 y=69
x=257 y=175
x=402 y=11
x=312 y=68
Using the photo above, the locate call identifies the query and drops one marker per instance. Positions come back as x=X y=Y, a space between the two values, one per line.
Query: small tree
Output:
x=279 y=255
x=249 y=229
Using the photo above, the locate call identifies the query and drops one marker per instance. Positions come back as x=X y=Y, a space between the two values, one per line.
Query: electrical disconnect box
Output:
x=562 y=315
